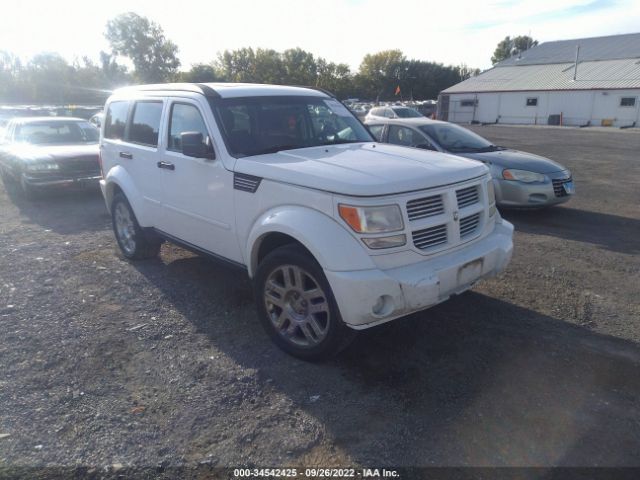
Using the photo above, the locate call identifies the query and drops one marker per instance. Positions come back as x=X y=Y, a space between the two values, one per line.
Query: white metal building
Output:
x=547 y=85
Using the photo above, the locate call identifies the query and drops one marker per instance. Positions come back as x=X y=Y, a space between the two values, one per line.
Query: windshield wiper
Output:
x=341 y=141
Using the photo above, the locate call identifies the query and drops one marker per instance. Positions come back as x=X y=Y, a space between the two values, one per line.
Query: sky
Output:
x=452 y=32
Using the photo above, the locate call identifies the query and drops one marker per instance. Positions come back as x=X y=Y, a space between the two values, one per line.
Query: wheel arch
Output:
x=328 y=242
x=119 y=180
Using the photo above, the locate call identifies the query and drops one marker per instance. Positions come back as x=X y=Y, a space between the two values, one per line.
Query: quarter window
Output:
x=116 y=120
x=532 y=101
x=145 y=124
x=628 y=102
x=185 y=118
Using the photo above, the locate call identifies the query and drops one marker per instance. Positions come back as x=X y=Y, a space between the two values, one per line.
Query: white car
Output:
x=339 y=233
x=392 y=111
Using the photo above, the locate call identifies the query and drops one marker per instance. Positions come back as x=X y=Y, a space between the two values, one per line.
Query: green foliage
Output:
x=199 y=73
x=512 y=46
x=49 y=78
x=154 y=57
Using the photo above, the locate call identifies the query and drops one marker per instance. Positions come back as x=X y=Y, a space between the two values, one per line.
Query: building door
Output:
x=443 y=108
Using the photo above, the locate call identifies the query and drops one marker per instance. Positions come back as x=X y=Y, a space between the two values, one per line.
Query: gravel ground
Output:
x=109 y=364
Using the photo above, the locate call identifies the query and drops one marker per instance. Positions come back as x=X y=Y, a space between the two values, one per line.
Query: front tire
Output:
x=134 y=243
x=296 y=305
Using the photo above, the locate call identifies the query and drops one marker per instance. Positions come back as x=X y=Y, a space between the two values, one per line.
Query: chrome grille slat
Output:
x=430 y=237
x=425 y=207
x=468 y=225
x=467 y=196
x=558 y=188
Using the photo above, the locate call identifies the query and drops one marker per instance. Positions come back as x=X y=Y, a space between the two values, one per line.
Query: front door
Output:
x=198 y=192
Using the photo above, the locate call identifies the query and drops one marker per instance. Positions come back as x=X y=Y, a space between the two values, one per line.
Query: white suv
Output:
x=339 y=233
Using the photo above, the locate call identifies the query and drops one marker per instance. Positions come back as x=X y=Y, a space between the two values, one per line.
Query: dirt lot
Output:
x=105 y=363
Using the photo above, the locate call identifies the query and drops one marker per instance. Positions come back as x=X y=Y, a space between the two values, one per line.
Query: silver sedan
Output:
x=520 y=179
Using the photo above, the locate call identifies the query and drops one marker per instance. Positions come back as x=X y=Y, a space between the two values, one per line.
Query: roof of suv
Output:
x=229 y=90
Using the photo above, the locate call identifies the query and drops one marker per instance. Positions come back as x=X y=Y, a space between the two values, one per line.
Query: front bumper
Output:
x=42 y=181
x=420 y=285
x=519 y=194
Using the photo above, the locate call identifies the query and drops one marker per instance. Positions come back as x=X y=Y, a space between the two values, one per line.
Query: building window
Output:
x=532 y=102
x=628 y=102
x=468 y=103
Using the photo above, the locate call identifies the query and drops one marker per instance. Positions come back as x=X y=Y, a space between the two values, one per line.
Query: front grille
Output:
x=467 y=196
x=425 y=207
x=88 y=165
x=430 y=237
x=558 y=186
x=469 y=225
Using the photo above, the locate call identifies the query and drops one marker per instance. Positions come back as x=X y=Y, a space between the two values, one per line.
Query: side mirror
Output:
x=426 y=146
x=193 y=145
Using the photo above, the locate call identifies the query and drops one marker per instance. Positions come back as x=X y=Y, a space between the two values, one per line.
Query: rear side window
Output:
x=184 y=118
x=145 y=123
x=116 y=120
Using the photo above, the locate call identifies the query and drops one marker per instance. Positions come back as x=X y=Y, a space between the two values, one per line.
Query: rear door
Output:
x=198 y=192
x=130 y=141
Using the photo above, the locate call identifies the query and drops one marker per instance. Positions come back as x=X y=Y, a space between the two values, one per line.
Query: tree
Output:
x=380 y=72
x=512 y=46
x=200 y=73
x=154 y=57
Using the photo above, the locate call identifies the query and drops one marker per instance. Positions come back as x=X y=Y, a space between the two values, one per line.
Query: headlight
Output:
x=42 y=167
x=522 y=176
x=387 y=218
x=491 y=192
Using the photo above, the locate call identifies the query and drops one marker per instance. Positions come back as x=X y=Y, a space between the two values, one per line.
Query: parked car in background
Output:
x=392 y=111
x=520 y=179
x=339 y=233
x=47 y=152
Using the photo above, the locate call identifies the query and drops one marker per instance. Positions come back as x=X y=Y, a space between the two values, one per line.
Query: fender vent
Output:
x=246 y=183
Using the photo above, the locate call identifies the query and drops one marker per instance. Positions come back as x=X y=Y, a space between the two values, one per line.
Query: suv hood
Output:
x=516 y=159
x=362 y=169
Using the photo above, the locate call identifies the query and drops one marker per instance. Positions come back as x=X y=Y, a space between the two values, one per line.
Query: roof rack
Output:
x=205 y=90
x=318 y=89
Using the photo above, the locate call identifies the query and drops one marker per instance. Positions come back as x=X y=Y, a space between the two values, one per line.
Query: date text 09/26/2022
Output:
x=315 y=473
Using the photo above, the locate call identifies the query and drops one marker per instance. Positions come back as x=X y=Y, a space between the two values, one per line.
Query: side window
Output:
x=116 y=120
x=376 y=131
x=184 y=118
x=145 y=123
x=388 y=113
x=404 y=136
x=628 y=102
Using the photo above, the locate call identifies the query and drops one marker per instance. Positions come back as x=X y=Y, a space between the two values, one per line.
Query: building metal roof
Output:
x=612 y=74
x=604 y=63
x=591 y=49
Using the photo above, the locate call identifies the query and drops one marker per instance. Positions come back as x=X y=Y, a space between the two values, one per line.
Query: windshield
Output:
x=406 y=112
x=66 y=133
x=259 y=125
x=456 y=139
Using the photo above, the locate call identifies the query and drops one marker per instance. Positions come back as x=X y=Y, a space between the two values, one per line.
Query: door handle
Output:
x=126 y=155
x=166 y=165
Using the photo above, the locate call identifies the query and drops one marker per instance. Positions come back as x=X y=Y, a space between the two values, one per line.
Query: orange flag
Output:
x=398 y=90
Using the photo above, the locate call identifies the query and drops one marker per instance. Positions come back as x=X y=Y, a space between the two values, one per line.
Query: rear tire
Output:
x=134 y=242
x=296 y=305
